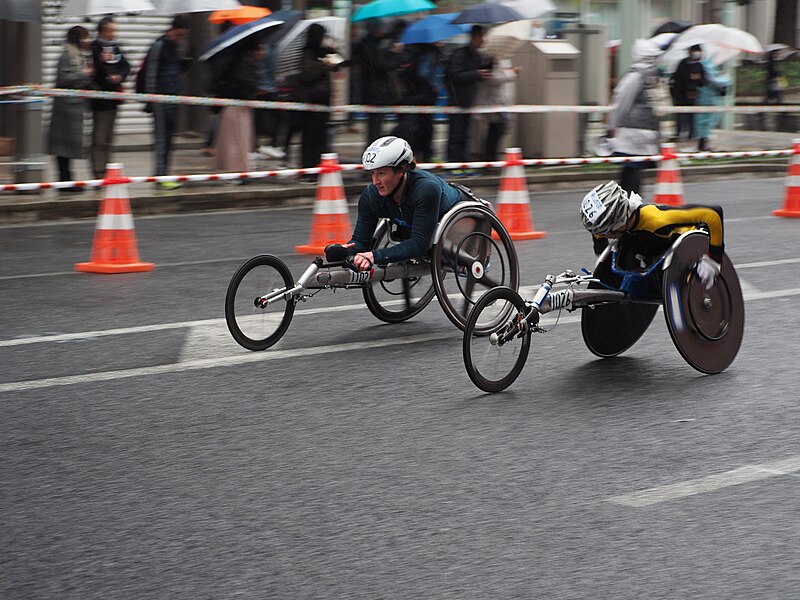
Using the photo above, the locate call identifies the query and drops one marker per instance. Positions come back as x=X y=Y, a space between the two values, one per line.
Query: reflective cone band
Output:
x=791 y=202
x=114 y=249
x=669 y=187
x=330 y=221
x=513 y=203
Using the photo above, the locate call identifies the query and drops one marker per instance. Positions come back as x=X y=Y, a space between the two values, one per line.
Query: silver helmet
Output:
x=389 y=151
x=607 y=208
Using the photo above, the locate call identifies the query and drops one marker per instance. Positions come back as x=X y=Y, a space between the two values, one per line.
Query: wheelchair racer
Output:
x=413 y=200
x=647 y=230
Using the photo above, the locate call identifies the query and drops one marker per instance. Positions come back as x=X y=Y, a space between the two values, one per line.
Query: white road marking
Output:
x=710 y=483
x=227 y=361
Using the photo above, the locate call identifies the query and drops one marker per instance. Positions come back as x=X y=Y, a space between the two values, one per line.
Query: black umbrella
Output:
x=672 y=27
x=289 y=18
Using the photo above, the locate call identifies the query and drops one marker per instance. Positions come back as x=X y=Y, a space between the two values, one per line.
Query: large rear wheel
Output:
x=474 y=254
x=253 y=327
x=397 y=300
x=494 y=361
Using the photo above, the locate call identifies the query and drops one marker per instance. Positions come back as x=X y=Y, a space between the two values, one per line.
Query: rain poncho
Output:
x=710 y=95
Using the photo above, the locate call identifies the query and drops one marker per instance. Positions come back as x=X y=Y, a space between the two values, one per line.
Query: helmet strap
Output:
x=399 y=185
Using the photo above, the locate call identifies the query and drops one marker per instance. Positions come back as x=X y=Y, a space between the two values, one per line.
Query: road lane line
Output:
x=228 y=361
x=710 y=483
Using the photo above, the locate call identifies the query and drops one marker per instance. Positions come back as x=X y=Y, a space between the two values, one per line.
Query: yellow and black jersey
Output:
x=656 y=226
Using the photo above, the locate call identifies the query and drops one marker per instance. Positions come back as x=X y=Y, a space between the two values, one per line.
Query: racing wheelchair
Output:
x=619 y=301
x=471 y=252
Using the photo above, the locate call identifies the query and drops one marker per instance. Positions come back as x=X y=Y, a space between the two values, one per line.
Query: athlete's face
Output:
x=386 y=179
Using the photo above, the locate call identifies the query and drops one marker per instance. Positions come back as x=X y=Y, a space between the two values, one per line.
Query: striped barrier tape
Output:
x=39 y=90
x=528 y=162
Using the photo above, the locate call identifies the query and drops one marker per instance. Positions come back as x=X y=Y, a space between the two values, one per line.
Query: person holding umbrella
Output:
x=166 y=60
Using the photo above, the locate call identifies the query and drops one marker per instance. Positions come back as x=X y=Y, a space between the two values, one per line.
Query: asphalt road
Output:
x=143 y=454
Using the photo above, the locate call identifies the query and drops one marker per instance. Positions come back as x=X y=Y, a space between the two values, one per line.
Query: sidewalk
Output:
x=135 y=154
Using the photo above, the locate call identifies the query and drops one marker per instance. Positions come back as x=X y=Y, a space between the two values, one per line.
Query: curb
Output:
x=256 y=196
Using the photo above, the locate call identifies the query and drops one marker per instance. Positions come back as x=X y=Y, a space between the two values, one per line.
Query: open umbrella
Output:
x=719 y=44
x=432 y=29
x=504 y=40
x=289 y=50
x=531 y=9
x=236 y=34
x=237 y=16
x=172 y=7
x=84 y=8
x=378 y=9
x=672 y=27
x=21 y=11
x=288 y=17
x=487 y=14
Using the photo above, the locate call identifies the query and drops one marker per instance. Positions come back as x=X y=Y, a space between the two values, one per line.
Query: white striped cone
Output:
x=513 y=201
x=669 y=187
x=791 y=202
x=114 y=248
x=330 y=220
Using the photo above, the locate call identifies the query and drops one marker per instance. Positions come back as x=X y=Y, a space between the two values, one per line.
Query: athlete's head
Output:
x=606 y=209
x=387 y=159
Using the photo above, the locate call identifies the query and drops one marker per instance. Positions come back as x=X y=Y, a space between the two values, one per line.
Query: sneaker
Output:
x=271 y=152
x=168 y=185
x=307 y=179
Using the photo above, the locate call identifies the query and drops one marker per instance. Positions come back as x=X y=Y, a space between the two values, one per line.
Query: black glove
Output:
x=335 y=252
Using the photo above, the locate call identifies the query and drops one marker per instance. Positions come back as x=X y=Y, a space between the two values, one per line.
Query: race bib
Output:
x=591 y=207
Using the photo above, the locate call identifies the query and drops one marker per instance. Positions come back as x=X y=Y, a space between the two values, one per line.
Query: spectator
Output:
x=166 y=60
x=110 y=71
x=538 y=31
x=773 y=82
x=236 y=133
x=423 y=83
x=688 y=77
x=466 y=67
x=271 y=122
x=377 y=64
x=497 y=90
x=316 y=63
x=65 y=139
x=710 y=94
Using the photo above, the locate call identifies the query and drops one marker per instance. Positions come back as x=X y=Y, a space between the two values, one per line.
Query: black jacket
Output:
x=462 y=75
x=102 y=70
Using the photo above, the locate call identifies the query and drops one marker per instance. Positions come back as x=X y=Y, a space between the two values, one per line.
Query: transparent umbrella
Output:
x=21 y=11
x=289 y=50
x=173 y=7
x=531 y=9
x=83 y=8
x=718 y=42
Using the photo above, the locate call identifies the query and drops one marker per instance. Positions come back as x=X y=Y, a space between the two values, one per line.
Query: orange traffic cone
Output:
x=114 y=249
x=791 y=202
x=513 y=203
x=669 y=187
x=330 y=222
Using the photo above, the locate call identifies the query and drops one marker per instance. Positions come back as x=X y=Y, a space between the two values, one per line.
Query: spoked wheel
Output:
x=397 y=300
x=494 y=361
x=707 y=326
x=253 y=327
x=473 y=255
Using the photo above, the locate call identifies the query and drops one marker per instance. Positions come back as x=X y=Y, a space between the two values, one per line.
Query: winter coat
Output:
x=102 y=70
x=65 y=137
x=633 y=120
x=377 y=67
x=462 y=75
x=710 y=95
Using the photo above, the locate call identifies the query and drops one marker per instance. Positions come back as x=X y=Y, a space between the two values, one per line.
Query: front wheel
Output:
x=253 y=327
x=494 y=361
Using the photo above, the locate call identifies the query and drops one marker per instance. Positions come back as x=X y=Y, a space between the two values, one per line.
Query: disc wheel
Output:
x=474 y=254
x=397 y=300
x=706 y=326
x=610 y=329
x=252 y=327
x=494 y=361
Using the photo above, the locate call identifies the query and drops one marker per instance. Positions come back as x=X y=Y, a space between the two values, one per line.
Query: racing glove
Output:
x=707 y=269
x=335 y=252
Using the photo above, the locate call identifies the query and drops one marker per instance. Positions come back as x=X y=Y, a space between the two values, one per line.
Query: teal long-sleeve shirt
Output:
x=425 y=199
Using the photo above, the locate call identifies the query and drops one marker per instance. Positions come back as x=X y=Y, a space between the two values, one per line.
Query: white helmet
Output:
x=389 y=151
x=607 y=208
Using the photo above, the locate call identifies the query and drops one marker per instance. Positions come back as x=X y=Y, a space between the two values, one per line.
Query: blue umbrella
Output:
x=234 y=35
x=432 y=29
x=488 y=14
x=391 y=8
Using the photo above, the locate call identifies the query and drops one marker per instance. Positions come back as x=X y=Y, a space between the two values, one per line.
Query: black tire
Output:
x=474 y=254
x=493 y=365
x=706 y=326
x=252 y=327
x=397 y=300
